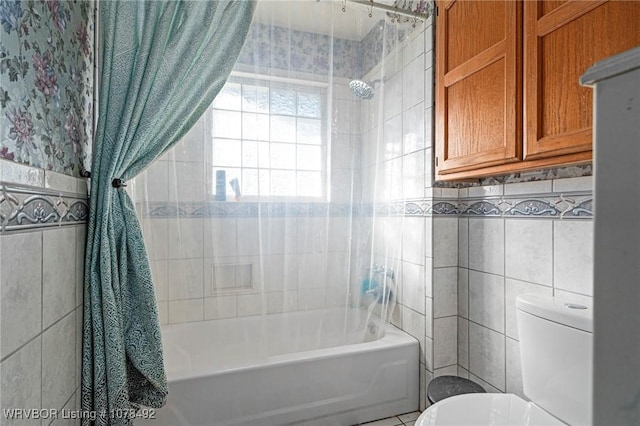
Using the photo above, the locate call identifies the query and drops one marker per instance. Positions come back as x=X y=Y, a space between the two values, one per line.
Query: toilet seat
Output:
x=486 y=409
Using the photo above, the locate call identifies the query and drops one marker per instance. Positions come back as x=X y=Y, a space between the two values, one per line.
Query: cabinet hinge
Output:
x=436 y=161
x=437 y=10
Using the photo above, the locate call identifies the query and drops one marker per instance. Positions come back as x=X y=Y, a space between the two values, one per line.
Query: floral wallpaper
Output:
x=271 y=46
x=46 y=83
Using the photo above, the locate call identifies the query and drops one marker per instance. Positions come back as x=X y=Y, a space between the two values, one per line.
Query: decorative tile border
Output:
x=25 y=208
x=567 y=205
x=244 y=209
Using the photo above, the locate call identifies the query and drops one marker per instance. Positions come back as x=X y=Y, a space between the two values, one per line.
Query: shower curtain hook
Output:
x=344 y=5
x=371 y=10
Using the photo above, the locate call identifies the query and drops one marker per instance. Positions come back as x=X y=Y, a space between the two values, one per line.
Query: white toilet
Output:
x=556 y=347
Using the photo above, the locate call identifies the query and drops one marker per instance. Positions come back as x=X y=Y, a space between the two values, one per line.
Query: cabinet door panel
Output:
x=561 y=42
x=479 y=90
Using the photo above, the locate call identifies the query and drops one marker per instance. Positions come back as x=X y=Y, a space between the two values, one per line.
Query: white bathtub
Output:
x=286 y=370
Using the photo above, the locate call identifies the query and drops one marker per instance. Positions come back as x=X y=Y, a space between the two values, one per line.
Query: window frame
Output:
x=298 y=85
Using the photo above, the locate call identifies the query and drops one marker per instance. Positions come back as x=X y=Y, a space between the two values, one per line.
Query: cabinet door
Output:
x=478 y=84
x=562 y=39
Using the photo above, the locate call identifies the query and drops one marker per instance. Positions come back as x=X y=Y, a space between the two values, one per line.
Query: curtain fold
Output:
x=163 y=62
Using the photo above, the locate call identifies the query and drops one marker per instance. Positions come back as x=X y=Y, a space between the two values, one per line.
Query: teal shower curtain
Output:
x=163 y=62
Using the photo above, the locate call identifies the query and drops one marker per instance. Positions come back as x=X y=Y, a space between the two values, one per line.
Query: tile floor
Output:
x=408 y=419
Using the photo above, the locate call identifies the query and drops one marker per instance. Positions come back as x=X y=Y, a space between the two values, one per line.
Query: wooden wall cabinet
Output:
x=507 y=92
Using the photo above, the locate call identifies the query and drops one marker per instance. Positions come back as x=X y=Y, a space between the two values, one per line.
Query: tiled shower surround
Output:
x=460 y=255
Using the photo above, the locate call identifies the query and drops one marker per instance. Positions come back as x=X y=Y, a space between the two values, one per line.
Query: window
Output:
x=270 y=137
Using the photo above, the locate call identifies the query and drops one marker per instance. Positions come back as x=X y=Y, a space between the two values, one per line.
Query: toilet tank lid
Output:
x=576 y=315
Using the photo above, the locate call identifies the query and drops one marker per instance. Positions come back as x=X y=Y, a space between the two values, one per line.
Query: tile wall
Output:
x=396 y=167
x=41 y=275
x=503 y=256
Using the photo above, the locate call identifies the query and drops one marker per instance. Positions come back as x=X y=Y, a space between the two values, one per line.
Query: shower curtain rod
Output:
x=392 y=9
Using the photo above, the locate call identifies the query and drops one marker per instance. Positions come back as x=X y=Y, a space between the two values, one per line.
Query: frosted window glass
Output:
x=249 y=154
x=264 y=182
x=283 y=183
x=227 y=124
x=255 y=98
x=309 y=157
x=227 y=153
x=309 y=184
x=309 y=131
x=229 y=97
x=263 y=154
x=283 y=129
x=309 y=105
x=255 y=126
x=283 y=156
x=283 y=101
x=249 y=182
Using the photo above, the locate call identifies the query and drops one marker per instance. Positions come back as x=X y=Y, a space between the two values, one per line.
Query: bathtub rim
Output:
x=393 y=337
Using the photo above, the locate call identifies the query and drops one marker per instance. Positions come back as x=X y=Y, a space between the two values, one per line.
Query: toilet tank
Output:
x=556 y=351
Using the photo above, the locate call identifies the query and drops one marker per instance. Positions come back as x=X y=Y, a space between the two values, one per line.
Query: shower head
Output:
x=361 y=89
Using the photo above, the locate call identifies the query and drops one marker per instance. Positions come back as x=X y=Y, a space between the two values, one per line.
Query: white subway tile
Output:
x=485 y=385
x=514 y=369
x=486 y=300
x=186 y=237
x=311 y=298
x=393 y=96
x=534 y=187
x=60 y=182
x=81 y=240
x=413 y=175
x=463 y=343
x=22 y=374
x=413 y=127
x=450 y=370
x=413 y=286
x=463 y=292
x=186 y=311
x=445 y=292
x=445 y=242
x=573 y=256
x=21 y=289
x=486 y=245
x=487 y=190
x=156 y=238
x=12 y=172
x=528 y=248
x=487 y=355
x=393 y=137
x=463 y=242
x=186 y=279
x=413 y=91
x=58 y=274
x=188 y=181
x=584 y=183
x=220 y=307
x=413 y=243
x=58 y=363
x=445 y=341
x=428 y=313
x=160 y=275
x=220 y=237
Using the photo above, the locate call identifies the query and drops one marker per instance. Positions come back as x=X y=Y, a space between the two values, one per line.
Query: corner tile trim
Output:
x=24 y=208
